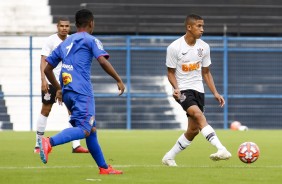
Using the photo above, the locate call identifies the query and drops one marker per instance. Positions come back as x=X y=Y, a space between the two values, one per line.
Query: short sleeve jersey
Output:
x=188 y=62
x=76 y=54
x=50 y=44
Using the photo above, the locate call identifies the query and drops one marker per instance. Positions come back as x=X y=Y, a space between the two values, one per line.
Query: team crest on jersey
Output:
x=47 y=96
x=182 y=97
x=200 y=52
x=67 y=78
x=99 y=44
x=91 y=121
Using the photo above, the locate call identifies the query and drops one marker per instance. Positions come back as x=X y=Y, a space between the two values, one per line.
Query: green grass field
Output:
x=139 y=154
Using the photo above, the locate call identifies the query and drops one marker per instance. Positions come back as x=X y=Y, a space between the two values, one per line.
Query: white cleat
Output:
x=221 y=155
x=169 y=162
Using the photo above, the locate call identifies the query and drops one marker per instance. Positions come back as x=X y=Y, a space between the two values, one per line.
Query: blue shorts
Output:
x=82 y=109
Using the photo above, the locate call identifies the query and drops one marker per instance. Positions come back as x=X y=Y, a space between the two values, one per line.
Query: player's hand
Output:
x=220 y=99
x=44 y=86
x=59 y=97
x=176 y=94
x=121 y=87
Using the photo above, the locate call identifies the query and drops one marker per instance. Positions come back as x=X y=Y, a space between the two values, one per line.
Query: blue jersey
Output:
x=76 y=54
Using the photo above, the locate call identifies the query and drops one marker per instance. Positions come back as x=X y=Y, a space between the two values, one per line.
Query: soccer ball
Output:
x=235 y=125
x=248 y=152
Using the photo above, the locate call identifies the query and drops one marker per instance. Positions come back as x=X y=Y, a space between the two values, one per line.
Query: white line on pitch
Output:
x=93 y=179
x=140 y=166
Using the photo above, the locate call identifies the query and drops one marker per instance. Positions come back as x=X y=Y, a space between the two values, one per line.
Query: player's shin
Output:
x=180 y=145
x=95 y=150
x=40 y=127
x=209 y=133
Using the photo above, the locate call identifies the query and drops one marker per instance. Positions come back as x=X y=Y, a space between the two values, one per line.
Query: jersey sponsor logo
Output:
x=99 y=44
x=190 y=67
x=184 y=53
x=200 y=52
x=67 y=78
x=68 y=67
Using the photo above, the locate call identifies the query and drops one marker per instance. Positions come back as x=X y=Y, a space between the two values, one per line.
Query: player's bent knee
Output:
x=86 y=133
x=93 y=129
x=197 y=115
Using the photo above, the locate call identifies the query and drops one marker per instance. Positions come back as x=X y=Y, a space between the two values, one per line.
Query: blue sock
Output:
x=67 y=135
x=95 y=150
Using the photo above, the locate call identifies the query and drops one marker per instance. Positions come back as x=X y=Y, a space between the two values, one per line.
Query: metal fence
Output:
x=246 y=71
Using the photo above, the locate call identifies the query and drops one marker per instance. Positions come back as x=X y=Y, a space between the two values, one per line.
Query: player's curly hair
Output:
x=83 y=17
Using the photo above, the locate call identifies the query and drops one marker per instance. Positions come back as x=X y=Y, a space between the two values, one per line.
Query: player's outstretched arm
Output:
x=106 y=65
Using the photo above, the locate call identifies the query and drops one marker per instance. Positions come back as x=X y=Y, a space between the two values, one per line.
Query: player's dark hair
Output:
x=192 y=17
x=83 y=17
x=63 y=19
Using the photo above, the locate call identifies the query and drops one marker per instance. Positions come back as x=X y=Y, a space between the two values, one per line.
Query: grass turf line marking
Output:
x=93 y=179
x=139 y=166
